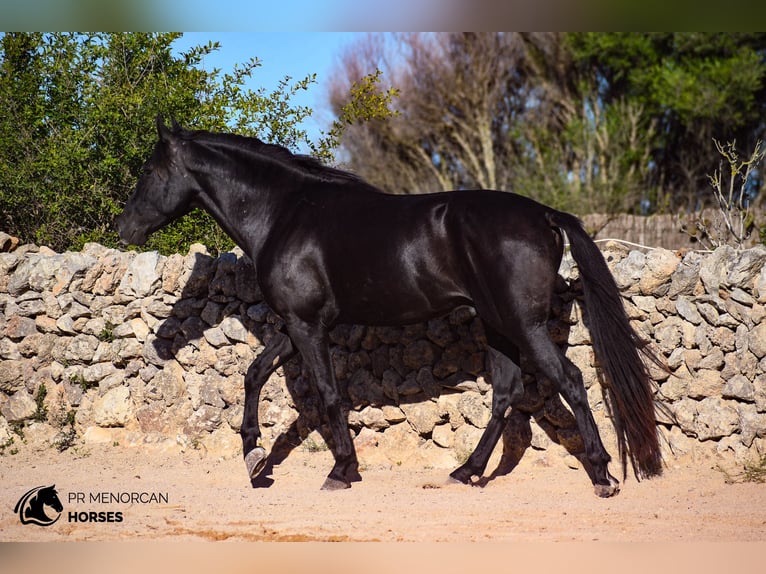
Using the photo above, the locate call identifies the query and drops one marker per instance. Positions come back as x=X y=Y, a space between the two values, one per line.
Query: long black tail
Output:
x=617 y=348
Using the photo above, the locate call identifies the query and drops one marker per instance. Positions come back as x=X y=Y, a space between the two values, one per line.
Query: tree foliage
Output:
x=78 y=123
x=586 y=122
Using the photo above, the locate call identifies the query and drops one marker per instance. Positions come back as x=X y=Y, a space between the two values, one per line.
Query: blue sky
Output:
x=294 y=54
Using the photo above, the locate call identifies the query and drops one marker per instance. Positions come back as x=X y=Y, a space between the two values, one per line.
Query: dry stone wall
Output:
x=150 y=351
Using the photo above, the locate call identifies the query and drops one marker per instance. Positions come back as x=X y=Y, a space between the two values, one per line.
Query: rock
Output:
x=113 y=409
x=760 y=286
x=373 y=418
x=94 y=373
x=628 y=271
x=19 y=407
x=716 y=418
x=422 y=416
x=688 y=311
x=442 y=435
x=746 y=267
x=471 y=406
x=8 y=242
x=81 y=349
x=756 y=340
x=668 y=334
x=685 y=278
x=233 y=328
x=751 y=423
x=705 y=383
x=216 y=337
x=204 y=420
x=399 y=442
x=142 y=276
x=167 y=385
x=418 y=354
x=660 y=265
x=739 y=388
x=715 y=268
x=19 y=327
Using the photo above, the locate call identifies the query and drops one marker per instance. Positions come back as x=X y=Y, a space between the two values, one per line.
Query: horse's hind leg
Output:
x=507 y=388
x=279 y=351
x=313 y=343
x=552 y=362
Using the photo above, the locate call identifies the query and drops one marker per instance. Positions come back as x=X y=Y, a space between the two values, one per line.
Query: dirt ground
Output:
x=189 y=496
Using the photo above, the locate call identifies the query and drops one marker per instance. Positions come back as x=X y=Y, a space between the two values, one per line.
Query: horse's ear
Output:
x=174 y=123
x=165 y=134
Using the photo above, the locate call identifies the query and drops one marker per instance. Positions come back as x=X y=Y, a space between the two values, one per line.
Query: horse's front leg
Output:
x=313 y=343
x=279 y=351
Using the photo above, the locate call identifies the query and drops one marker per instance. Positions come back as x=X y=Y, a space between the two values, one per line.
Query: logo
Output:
x=31 y=506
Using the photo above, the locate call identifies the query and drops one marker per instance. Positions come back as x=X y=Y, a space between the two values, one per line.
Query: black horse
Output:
x=329 y=248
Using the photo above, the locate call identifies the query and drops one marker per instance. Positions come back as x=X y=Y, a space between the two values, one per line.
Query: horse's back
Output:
x=384 y=259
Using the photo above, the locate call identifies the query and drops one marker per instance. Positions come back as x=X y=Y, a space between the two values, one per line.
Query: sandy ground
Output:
x=210 y=499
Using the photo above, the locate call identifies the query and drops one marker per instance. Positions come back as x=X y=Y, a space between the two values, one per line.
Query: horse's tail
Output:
x=617 y=346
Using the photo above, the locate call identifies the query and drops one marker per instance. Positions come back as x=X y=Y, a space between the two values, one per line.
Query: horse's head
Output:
x=49 y=496
x=164 y=191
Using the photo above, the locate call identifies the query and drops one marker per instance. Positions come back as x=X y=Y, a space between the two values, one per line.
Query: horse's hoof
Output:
x=255 y=460
x=460 y=476
x=607 y=490
x=335 y=484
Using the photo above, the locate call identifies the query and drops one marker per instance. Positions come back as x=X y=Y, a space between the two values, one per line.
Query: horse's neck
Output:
x=35 y=505
x=246 y=212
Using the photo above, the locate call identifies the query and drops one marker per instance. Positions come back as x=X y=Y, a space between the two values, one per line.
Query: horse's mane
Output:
x=305 y=164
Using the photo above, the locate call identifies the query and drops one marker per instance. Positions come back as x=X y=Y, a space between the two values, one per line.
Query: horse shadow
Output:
x=215 y=289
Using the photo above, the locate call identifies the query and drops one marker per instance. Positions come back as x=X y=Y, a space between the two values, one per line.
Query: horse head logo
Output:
x=31 y=506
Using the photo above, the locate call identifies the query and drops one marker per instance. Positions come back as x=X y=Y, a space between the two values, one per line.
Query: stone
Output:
x=739 y=388
x=364 y=389
x=688 y=311
x=756 y=340
x=685 y=412
x=19 y=407
x=668 y=334
x=464 y=441
x=422 y=416
x=393 y=414
x=685 y=278
x=760 y=286
x=204 y=420
x=471 y=406
x=216 y=337
x=659 y=267
x=81 y=348
x=139 y=329
x=442 y=435
x=418 y=354
x=713 y=361
x=167 y=385
x=233 y=328
x=628 y=271
x=716 y=418
x=751 y=423
x=19 y=327
x=439 y=332
x=399 y=442
x=746 y=267
x=373 y=418
x=94 y=373
x=143 y=275
x=113 y=409
x=715 y=268
x=705 y=383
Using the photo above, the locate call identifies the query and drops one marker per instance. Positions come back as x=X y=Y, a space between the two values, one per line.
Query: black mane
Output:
x=305 y=164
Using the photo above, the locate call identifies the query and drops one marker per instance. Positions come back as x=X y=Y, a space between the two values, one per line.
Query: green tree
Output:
x=78 y=123
x=693 y=86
